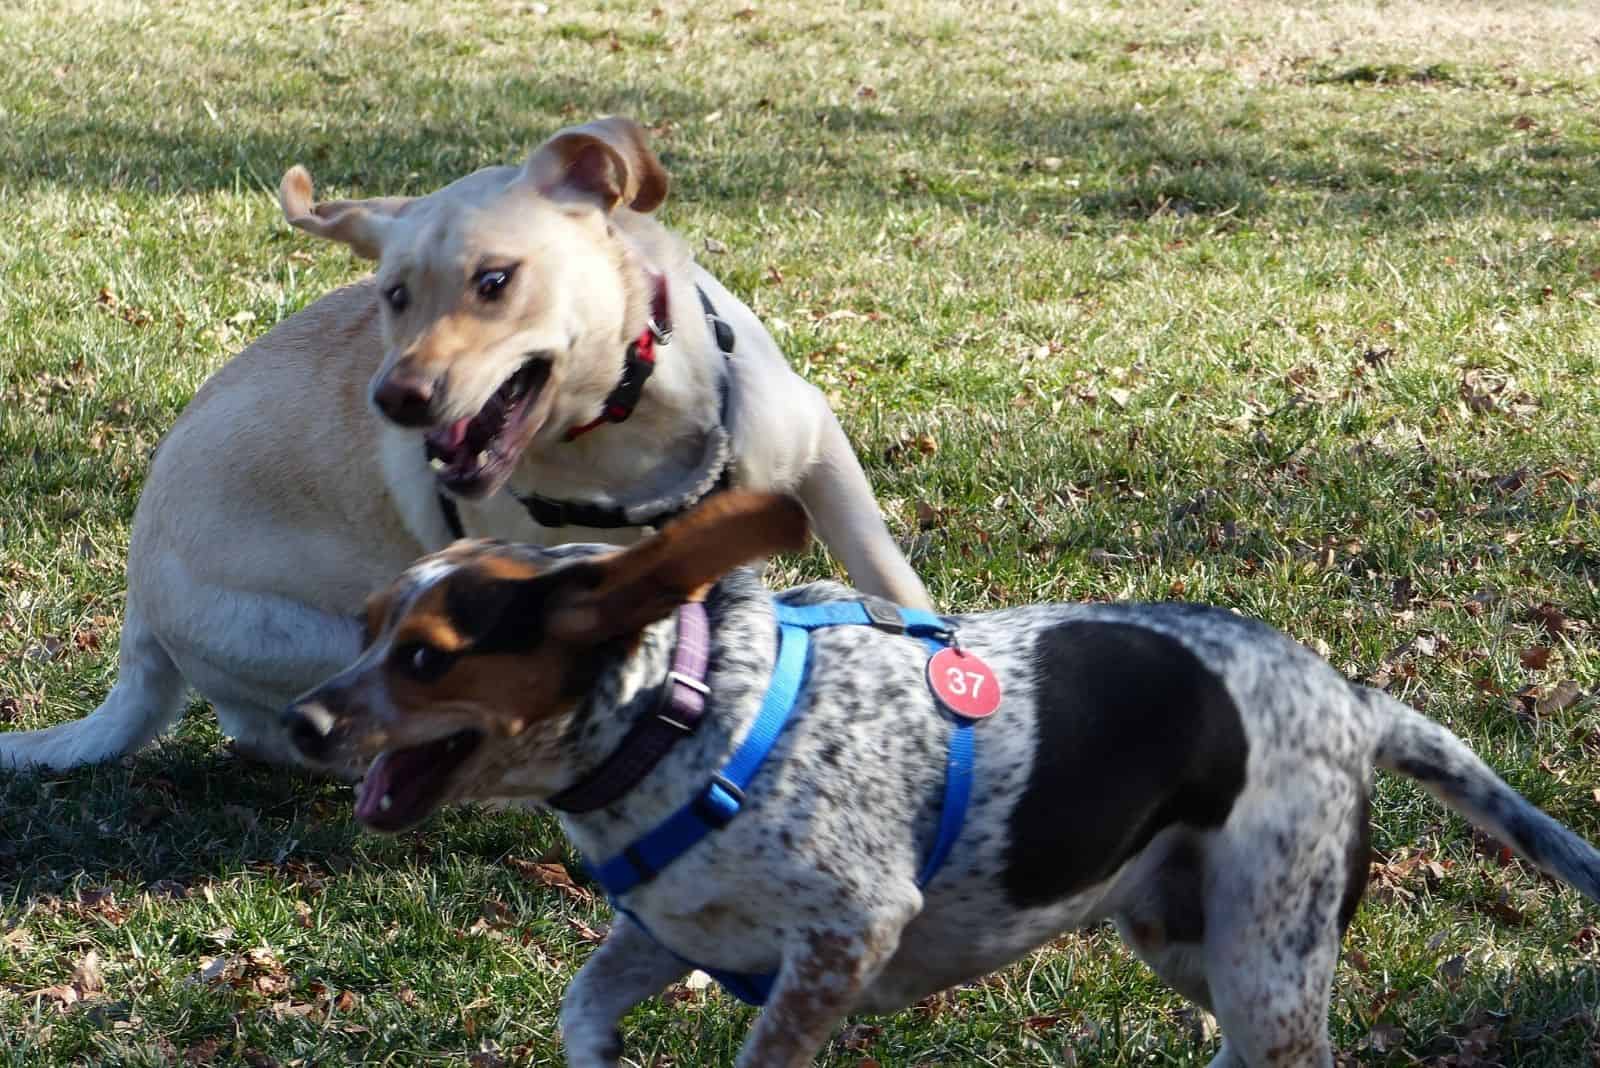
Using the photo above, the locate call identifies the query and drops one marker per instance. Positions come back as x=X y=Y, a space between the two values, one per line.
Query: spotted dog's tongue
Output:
x=403 y=785
x=374 y=788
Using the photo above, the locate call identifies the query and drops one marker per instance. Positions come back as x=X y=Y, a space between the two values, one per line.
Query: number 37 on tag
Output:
x=964 y=683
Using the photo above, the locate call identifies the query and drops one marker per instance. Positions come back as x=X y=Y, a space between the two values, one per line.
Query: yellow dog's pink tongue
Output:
x=451 y=436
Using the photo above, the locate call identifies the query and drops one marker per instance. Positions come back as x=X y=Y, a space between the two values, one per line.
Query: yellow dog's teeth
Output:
x=385 y=803
x=483 y=458
x=437 y=463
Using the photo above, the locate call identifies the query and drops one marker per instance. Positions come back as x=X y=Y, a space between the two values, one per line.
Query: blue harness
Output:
x=715 y=806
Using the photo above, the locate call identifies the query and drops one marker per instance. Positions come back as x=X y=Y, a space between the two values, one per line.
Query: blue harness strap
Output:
x=720 y=800
x=723 y=796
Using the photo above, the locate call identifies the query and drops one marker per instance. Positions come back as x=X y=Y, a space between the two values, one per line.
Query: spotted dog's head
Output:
x=477 y=656
x=507 y=297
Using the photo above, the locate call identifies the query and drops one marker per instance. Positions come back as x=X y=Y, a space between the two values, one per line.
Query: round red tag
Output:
x=964 y=683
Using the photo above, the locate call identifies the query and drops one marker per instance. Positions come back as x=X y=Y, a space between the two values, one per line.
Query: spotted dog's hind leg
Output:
x=1276 y=894
x=629 y=967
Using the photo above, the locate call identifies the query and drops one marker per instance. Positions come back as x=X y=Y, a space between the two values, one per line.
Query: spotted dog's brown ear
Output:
x=361 y=224
x=373 y=615
x=607 y=161
x=621 y=593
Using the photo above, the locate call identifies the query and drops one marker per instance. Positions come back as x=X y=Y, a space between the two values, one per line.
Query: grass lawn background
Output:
x=1292 y=308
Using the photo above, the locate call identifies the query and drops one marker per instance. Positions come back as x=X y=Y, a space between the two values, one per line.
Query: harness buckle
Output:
x=884 y=617
x=718 y=803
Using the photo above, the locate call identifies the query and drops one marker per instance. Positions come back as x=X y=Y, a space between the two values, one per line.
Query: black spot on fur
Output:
x=496 y=615
x=1135 y=735
x=1358 y=861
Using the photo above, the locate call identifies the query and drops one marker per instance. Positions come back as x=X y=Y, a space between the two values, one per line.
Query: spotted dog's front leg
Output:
x=628 y=967
x=823 y=976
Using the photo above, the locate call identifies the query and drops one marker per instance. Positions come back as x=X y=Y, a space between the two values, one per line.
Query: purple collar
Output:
x=682 y=707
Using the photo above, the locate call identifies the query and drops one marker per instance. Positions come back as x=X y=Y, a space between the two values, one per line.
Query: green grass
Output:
x=1291 y=308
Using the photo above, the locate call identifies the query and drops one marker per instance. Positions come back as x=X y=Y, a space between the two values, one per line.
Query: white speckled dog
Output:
x=519 y=339
x=1193 y=775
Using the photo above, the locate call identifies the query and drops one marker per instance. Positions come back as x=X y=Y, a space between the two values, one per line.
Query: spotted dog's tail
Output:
x=1417 y=747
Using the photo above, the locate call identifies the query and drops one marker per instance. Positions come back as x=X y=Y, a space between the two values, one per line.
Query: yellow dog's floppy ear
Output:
x=360 y=224
x=608 y=161
x=619 y=594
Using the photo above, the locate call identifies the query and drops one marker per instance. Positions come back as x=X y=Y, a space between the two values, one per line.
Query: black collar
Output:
x=552 y=512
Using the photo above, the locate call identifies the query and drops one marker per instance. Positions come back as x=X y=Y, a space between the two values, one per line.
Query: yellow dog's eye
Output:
x=397 y=298
x=491 y=283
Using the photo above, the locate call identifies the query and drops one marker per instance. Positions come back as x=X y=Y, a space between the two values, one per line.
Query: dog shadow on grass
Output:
x=189 y=810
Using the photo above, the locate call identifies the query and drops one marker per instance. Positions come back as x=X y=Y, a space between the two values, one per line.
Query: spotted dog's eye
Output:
x=490 y=284
x=424 y=663
x=397 y=298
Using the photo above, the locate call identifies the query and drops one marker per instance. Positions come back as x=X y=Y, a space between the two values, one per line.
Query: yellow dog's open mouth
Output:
x=472 y=456
x=404 y=785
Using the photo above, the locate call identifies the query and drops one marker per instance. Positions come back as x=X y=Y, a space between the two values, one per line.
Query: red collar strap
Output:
x=638 y=364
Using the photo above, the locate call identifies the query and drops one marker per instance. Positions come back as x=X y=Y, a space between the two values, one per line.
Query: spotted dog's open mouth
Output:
x=404 y=785
x=473 y=455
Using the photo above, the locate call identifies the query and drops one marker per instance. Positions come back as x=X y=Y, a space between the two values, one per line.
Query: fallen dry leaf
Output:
x=63 y=995
x=1565 y=694
x=203 y=1052
x=1551 y=618
x=212 y=969
x=101 y=902
x=87 y=977
x=552 y=874
x=859 y=1036
x=1535 y=657
x=1503 y=909
x=1452 y=971
x=45 y=649
x=1385 y=1037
